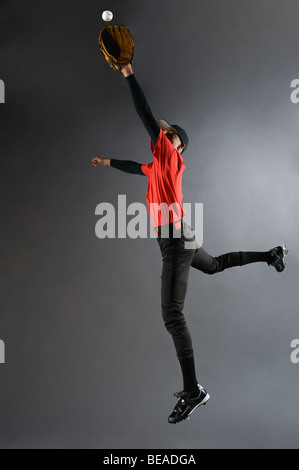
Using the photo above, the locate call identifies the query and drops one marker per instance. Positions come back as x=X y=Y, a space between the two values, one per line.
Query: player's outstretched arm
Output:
x=141 y=104
x=128 y=166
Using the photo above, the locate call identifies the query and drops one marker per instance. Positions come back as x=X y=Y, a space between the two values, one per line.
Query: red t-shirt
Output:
x=164 y=183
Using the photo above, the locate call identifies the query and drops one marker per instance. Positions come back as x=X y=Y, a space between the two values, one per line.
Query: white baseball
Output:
x=107 y=15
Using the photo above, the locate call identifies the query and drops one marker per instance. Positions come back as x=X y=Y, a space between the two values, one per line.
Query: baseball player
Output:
x=164 y=173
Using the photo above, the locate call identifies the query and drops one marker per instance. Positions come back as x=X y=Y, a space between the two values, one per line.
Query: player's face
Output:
x=174 y=139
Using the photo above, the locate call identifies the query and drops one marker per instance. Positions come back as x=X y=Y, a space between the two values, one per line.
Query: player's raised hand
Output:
x=100 y=160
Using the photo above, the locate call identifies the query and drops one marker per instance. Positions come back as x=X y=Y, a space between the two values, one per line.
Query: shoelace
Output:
x=276 y=260
x=180 y=394
x=279 y=258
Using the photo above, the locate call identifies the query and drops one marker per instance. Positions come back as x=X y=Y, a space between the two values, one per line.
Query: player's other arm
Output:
x=141 y=105
x=128 y=166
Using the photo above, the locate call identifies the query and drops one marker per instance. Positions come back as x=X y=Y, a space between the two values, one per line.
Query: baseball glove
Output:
x=117 y=45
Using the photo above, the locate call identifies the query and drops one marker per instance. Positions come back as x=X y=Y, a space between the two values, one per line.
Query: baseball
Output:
x=107 y=15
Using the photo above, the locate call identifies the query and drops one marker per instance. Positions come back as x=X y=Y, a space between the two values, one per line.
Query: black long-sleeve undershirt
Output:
x=144 y=112
x=143 y=108
x=127 y=165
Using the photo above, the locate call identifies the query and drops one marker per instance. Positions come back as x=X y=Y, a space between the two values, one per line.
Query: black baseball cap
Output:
x=177 y=129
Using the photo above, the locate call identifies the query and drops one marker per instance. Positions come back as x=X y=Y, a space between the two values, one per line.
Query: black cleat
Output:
x=188 y=402
x=278 y=255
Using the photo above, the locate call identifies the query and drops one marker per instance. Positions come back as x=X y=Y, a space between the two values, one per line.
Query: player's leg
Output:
x=208 y=264
x=174 y=282
x=215 y=264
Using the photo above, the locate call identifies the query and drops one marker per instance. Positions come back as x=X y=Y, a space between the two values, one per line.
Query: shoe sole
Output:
x=284 y=253
x=284 y=250
x=204 y=402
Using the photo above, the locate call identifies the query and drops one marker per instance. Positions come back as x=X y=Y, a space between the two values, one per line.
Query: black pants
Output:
x=175 y=272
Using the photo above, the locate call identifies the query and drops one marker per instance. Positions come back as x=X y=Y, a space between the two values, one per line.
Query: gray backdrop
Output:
x=89 y=363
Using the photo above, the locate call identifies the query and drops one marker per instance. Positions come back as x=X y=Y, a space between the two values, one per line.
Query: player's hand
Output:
x=100 y=160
